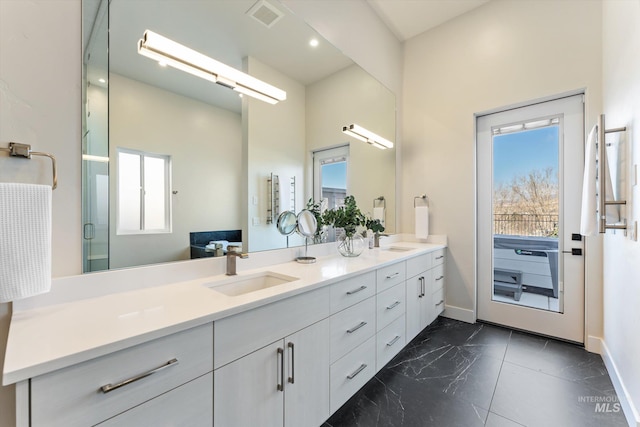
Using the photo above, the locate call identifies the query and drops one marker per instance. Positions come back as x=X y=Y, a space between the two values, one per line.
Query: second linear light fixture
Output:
x=164 y=50
x=367 y=136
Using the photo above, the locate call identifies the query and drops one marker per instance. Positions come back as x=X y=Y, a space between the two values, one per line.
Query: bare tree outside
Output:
x=528 y=205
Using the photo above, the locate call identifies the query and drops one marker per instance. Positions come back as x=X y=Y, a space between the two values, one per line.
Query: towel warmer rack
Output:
x=15 y=149
x=602 y=169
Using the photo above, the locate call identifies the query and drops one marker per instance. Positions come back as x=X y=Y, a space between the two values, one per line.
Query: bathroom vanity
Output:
x=282 y=345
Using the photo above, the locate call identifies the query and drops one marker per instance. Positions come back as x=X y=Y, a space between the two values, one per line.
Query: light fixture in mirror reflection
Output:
x=367 y=136
x=222 y=147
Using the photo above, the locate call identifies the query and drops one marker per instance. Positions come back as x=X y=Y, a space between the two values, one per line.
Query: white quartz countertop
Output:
x=45 y=339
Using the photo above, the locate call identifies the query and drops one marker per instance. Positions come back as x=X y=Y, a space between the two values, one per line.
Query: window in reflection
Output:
x=143 y=192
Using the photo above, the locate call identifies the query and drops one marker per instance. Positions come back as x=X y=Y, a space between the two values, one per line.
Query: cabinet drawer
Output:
x=437 y=299
x=238 y=335
x=437 y=277
x=389 y=305
x=351 y=372
x=352 y=327
x=73 y=396
x=351 y=291
x=390 y=275
x=389 y=342
x=188 y=405
x=437 y=257
x=418 y=264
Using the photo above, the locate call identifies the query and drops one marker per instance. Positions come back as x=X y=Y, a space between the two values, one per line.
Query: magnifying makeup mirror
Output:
x=307 y=226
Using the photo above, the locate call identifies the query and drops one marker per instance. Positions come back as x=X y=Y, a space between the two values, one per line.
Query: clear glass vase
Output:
x=350 y=246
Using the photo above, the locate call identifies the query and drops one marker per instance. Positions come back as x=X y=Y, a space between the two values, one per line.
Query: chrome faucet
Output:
x=233 y=253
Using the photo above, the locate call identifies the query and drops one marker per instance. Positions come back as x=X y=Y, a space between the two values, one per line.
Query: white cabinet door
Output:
x=249 y=392
x=190 y=405
x=418 y=294
x=306 y=388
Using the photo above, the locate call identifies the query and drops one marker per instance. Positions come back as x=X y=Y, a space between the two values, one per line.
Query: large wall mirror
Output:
x=172 y=162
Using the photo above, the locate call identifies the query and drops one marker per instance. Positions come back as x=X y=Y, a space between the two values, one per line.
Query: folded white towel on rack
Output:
x=25 y=242
x=589 y=211
x=422 y=222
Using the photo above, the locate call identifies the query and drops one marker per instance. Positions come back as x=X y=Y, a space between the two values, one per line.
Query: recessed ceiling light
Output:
x=314 y=42
x=102 y=80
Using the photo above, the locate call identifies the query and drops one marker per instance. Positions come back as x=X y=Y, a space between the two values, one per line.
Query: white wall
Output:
x=205 y=145
x=502 y=53
x=277 y=135
x=353 y=96
x=621 y=88
x=40 y=81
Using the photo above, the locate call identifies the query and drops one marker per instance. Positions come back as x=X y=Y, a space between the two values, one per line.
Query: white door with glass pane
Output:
x=529 y=253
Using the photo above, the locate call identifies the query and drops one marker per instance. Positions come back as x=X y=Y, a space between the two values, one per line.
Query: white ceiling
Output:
x=408 y=18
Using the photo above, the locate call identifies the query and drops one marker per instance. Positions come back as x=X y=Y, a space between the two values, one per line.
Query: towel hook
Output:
x=16 y=149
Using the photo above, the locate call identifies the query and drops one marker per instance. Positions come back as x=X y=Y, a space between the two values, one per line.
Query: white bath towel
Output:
x=25 y=240
x=589 y=214
x=378 y=213
x=422 y=222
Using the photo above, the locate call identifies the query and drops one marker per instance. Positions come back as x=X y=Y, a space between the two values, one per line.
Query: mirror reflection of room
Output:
x=220 y=149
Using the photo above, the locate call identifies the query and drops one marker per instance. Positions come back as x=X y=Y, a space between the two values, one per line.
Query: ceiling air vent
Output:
x=265 y=13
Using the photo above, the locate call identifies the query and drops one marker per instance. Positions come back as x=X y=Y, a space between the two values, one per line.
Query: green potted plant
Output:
x=347 y=217
x=376 y=227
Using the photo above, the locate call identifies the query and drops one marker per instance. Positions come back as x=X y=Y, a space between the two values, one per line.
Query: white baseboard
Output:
x=593 y=344
x=457 y=313
x=630 y=411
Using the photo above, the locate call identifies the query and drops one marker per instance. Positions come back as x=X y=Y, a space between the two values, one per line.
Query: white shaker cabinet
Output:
x=285 y=383
x=425 y=291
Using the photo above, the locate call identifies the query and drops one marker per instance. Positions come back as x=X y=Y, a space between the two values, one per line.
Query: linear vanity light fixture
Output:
x=164 y=50
x=367 y=136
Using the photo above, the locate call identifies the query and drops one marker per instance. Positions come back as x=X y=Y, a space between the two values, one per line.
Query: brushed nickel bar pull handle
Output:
x=355 y=328
x=110 y=387
x=392 y=306
x=280 y=355
x=422 y=286
x=391 y=276
x=393 y=341
x=355 y=291
x=357 y=371
x=293 y=368
x=440 y=278
x=440 y=303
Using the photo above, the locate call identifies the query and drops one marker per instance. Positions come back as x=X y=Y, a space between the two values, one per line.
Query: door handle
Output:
x=573 y=251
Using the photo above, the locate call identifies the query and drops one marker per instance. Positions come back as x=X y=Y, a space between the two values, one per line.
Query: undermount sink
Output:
x=398 y=249
x=240 y=285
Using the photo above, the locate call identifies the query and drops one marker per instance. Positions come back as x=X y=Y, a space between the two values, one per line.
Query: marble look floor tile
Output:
x=560 y=359
x=534 y=398
x=477 y=338
x=394 y=400
x=454 y=371
x=494 y=420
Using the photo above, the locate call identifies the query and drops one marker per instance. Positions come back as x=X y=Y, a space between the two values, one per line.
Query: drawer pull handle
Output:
x=355 y=291
x=394 y=305
x=440 y=303
x=391 y=276
x=440 y=257
x=293 y=367
x=355 y=328
x=393 y=341
x=280 y=355
x=357 y=371
x=110 y=387
x=440 y=278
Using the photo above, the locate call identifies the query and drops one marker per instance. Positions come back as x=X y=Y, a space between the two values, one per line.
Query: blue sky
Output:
x=518 y=153
x=334 y=175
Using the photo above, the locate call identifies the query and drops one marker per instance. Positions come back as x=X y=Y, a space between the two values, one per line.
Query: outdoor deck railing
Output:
x=526 y=225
